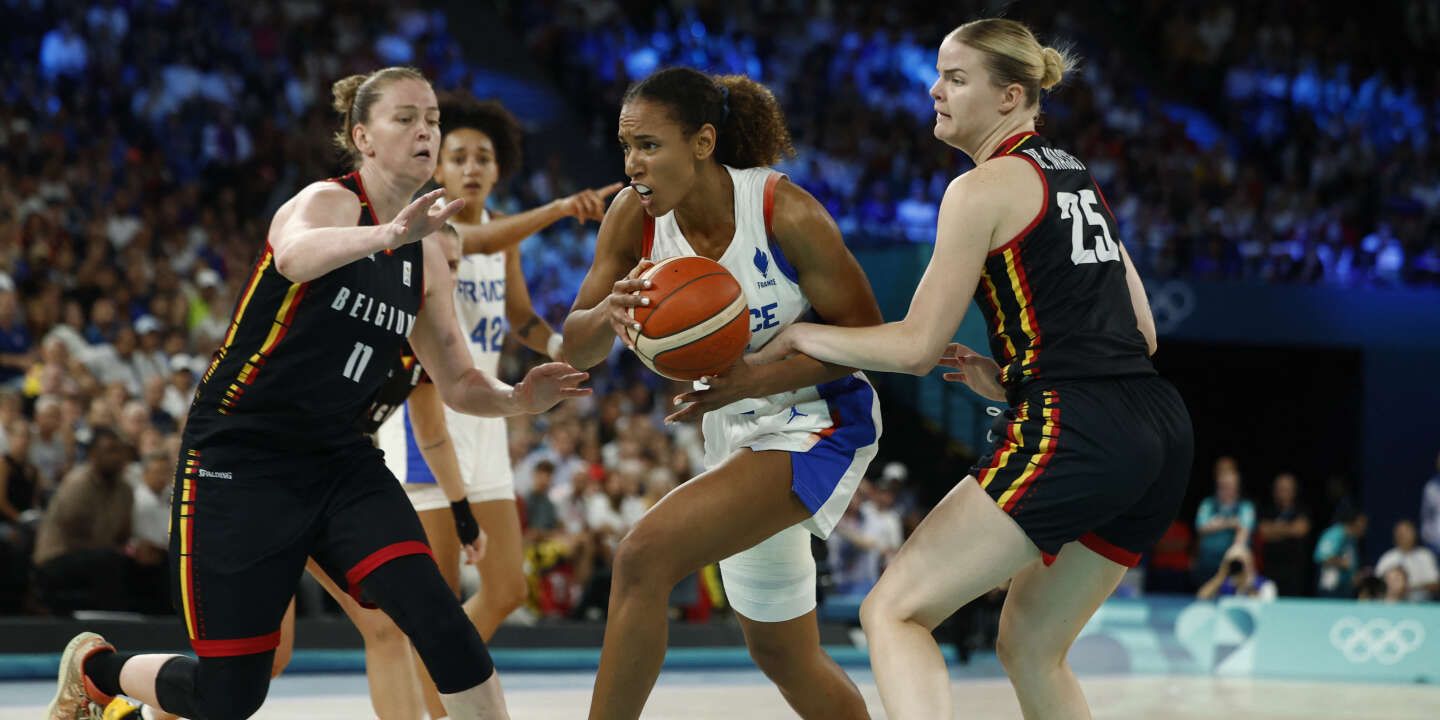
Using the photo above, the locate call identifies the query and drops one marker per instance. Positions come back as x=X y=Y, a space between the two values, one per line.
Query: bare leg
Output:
x=693 y=526
x=286 y=649
x=963 y=548
x=394 y=689
x=789 y=654
x=1045 y=610
x=502 y=586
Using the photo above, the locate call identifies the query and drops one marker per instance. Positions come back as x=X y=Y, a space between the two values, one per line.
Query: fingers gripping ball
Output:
x=697 y=322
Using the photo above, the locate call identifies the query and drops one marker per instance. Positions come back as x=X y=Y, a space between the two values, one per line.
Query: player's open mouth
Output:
x=423 y=153
x=643 y=190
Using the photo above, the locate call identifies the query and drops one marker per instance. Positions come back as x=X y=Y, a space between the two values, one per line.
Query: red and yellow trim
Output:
x=1049 y=439
x=1000 y=323
x=1014 y=440
x=187 y=545
x=284 y=317
x=1024 y=298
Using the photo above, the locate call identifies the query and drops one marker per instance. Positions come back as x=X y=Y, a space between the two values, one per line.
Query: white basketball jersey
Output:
x=755 y=259
x=481 y=446
x=480 y=305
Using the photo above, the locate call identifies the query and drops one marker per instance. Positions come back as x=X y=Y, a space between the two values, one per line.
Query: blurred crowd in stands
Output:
x=143 y=146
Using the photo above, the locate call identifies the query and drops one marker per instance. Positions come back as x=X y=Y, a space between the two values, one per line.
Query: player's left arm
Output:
x=432 y=437
x=969 y=214
x=833 y=282
x=526 y=325
x=1144 y=320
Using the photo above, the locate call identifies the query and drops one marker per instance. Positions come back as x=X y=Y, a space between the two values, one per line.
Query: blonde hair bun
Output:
x=1055 y=66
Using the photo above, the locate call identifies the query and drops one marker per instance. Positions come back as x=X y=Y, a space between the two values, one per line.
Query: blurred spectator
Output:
x=1285 y=538
x=865 y=539
x=52 y=443
x=63 y=52
x=1372 y=589
x=1338 y=555
x=1237 y=578
x=15 y=355
x=20 y=499
x=1224 y=520
x=559 y=450
x=1430 y=511
x=1169 y=563
x=1397 y=584
x=80 y=558
x=1421 y=573
x=150 y=531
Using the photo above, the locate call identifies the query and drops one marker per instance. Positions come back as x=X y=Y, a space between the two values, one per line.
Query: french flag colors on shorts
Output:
x=819 y=470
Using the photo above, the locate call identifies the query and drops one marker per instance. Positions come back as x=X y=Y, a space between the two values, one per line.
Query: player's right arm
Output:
x=599 y=312
x=507 y=231
x=440 y=347
x=318 y=234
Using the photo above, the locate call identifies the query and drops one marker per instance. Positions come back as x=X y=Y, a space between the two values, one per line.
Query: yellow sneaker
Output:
x=123 y=708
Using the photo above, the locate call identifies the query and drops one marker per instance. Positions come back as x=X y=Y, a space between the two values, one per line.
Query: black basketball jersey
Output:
x=1055 y=297
x=405 y=375
x=302 y=362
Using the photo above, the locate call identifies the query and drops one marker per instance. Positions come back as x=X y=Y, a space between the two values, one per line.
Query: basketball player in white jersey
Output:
x=785 y=444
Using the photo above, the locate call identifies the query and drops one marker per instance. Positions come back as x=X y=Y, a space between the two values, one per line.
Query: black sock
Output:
x=103 y=669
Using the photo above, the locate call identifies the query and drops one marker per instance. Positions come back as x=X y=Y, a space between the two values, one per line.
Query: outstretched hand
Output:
x=424 y=215
x=589 y=204
x=545 y=385
x=980 y=373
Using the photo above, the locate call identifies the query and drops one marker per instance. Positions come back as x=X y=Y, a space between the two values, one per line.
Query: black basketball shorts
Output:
x=1102 y=462
x=244 y=519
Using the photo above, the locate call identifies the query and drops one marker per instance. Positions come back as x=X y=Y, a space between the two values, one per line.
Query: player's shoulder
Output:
x=796 y=211
x=624 y=220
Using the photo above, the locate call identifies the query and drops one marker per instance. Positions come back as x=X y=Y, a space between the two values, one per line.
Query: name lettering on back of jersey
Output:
x=487 y=291
x=367 y=309
x=1052 y=159
x=405 y=273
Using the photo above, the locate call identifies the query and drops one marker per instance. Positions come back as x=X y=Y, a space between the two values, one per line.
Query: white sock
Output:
x=482 y=702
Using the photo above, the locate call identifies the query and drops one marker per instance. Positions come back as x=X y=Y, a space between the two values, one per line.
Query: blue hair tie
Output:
x=724 y=103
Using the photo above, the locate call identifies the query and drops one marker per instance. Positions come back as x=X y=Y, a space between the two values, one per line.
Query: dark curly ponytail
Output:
x=750 y=127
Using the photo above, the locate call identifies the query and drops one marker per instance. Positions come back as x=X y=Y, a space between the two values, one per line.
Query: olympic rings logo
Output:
x=1380 y=640
x=1170 y=304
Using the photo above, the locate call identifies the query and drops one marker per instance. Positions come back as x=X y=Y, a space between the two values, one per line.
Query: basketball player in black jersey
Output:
x=1092 y=461
x=273 y=468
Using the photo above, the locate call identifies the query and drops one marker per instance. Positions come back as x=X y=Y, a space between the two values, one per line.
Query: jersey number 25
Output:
x=1080 y=209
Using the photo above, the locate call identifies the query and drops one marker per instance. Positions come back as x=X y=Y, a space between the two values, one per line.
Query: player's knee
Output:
x=377 y=629
x=507 y=591
x=1021 y=651
x=880 y=607
x=641 y=563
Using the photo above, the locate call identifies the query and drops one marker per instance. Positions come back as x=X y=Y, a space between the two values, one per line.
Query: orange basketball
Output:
x=697 y=322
